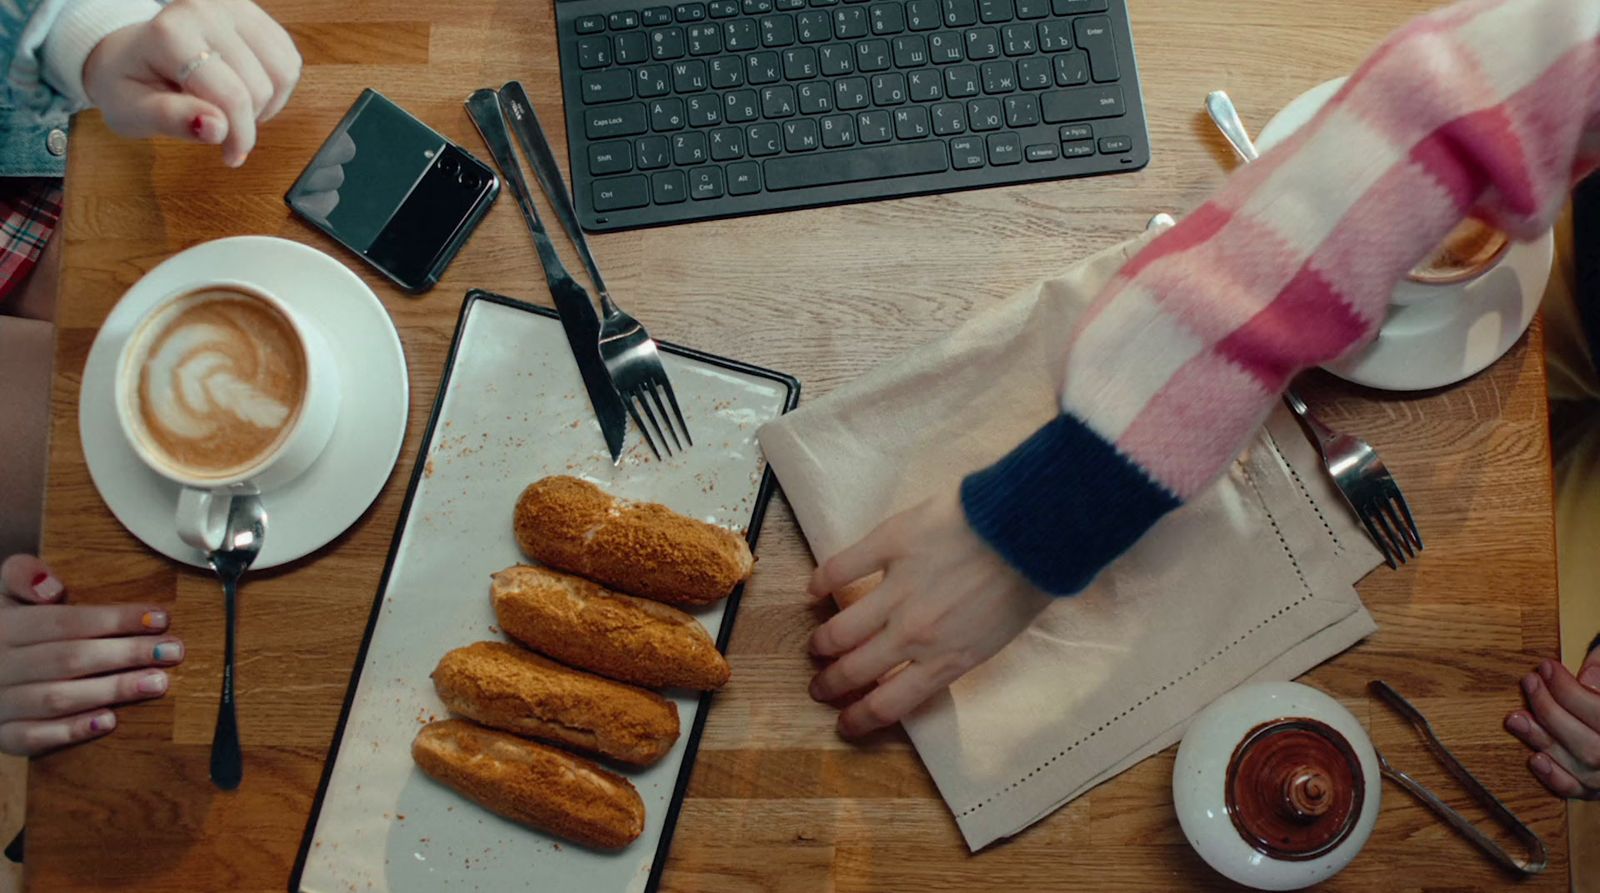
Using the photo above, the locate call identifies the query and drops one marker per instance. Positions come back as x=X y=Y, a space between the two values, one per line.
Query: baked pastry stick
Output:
x=539 y=786
x=510 y=688
x=640 y=548
x=587 y=626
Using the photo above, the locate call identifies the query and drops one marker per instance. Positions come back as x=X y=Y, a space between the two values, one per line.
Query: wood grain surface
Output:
x=777 y=802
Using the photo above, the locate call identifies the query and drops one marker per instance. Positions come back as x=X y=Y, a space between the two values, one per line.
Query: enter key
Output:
x=1094 y=35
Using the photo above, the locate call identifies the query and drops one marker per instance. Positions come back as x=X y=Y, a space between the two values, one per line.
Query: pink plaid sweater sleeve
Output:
x=1488 y=107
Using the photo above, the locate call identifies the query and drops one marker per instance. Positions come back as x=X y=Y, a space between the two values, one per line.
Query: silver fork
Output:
x=1366 y=486
x=241 y=543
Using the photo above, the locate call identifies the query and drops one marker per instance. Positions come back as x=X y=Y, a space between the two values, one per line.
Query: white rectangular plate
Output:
x=512 y=410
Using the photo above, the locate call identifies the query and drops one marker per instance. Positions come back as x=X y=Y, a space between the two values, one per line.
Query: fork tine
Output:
x=1383 y=545
x=1392 y=522
x=656 y=396
x=666 y=385
x=642 y=429
x=1410 y=525
x=652 y=417
x=1390 y=537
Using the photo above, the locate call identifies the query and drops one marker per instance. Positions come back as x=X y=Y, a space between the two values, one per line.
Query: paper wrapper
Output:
x=1252 y=580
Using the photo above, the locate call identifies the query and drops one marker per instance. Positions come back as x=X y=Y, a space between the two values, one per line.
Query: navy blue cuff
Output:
x=1063 y=505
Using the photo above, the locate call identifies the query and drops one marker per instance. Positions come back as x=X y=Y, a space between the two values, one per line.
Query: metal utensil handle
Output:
x=525 y=123
x=483 y=106
x=227 y=757
x=1538 y=857
x=1223 y=113
x=1321 y=432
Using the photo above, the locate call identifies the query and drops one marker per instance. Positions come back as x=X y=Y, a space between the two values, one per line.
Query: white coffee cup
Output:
x=207 y=494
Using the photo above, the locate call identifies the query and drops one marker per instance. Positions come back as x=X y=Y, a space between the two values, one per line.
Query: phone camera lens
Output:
x=470 y=179
x=450 y=165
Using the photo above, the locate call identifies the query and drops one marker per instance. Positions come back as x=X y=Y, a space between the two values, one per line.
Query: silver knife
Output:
x=578 y=316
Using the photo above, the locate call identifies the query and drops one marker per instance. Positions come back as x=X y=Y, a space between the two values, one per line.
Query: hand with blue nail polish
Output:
x=63 y=667
x=1562 y=726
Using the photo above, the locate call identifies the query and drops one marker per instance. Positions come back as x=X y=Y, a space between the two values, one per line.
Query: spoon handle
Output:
x=227 y=760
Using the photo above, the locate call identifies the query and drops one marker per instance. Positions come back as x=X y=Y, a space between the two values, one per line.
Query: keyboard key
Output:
x=619 y=193
x=857 y=165
x=1072 y=132
x=632 y=48
x=985 y=114
x=614 y=120
x=723 y=9
x=1034 y=74
x=778 y=102
x=1077 y=149
x=777 y=31
x=960 y=13
x=850 y=93
x=704 y=111
x=727 y=143
x=611 y=157
x=666 y=115
x=945 y=47
x=824 y=2
x=690 y=148
x=761 y=68
x=621 y=21
x=1078 y=7
x=837 y=59
x=1115 y=145
x=757 y=7
x=1042 y=152
x=744 y=178
x=911 y=123
x=922 y=15
x=726 y=71
x=740 y=106
x=790 y=5
x=594 y=52
x=1094 y=35
x=910 y=51
x=689 y=77
x=666 y=43
x=763 y=139
x=888 y=89
x=801 y=135
x=849 y=22
x=669 y=187
x=925 y=86
x=800 y=63
x=1032 y=9
x=815 y=98
x=967 y=153
x=656 y=15
x=948 y=118
x=999 y=77
x=1004 y=148
x=983 y=43
x=961 y=80
x=690 y=12
x=740 y=35
x=590 y=24
x=888 y=18
x=1020 y=39
x=1055 y=36
x=1072 y=69
x=705 y=182
x=652 y=152
x=705 y=40
x=813 y=27
x=1022 y=111
x=993 y=12
x=874 y=127
x=872 y=55
x=838 y=131
x=1082 y=104
x=607 y=86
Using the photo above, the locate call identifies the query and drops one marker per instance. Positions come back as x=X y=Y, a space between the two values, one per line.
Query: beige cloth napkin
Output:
x=1251 y=580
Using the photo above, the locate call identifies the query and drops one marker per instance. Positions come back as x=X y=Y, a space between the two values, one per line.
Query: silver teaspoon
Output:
x=1226 y=117
x=241 y=543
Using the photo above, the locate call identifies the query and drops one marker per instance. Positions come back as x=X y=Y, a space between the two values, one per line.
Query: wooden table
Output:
x=777 y=801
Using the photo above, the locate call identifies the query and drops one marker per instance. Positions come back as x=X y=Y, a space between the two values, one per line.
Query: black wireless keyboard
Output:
x=730 y=107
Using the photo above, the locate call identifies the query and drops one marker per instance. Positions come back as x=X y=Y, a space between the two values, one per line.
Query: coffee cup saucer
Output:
x=316 y=507
x=1449 y=338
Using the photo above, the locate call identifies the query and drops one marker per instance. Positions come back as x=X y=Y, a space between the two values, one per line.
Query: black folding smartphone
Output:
x=394 y=191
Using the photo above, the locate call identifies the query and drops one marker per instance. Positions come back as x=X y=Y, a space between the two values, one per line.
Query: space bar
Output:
x=902 y=160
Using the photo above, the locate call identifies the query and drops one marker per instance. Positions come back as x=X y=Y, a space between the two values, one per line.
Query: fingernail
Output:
x=105 y=722
x=1517 y=724
x=815 y=691
x=154 y=620
x=1590 y=678
x=1541 y=764
x=1530 y=683
x=169 y=652
x=153 y=684
x=47 y=587
x=198 y=126
x=1547 y=669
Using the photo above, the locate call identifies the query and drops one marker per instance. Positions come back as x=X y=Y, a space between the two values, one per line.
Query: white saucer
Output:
x=316 y=507
x=1445 y=340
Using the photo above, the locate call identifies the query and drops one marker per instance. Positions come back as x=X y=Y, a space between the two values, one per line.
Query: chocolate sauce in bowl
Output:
x=1294 y=788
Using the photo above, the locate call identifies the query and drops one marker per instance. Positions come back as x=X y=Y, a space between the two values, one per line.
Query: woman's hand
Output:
x=946 y=604
x=136 y=75
x=1563 y=725
x=63 y=666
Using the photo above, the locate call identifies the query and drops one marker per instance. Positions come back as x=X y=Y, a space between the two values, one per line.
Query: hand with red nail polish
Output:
x=1562 y=726
x=204 y=70
x=63 y=667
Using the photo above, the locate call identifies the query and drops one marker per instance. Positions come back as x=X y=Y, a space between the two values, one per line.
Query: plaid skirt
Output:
x=30 y=208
